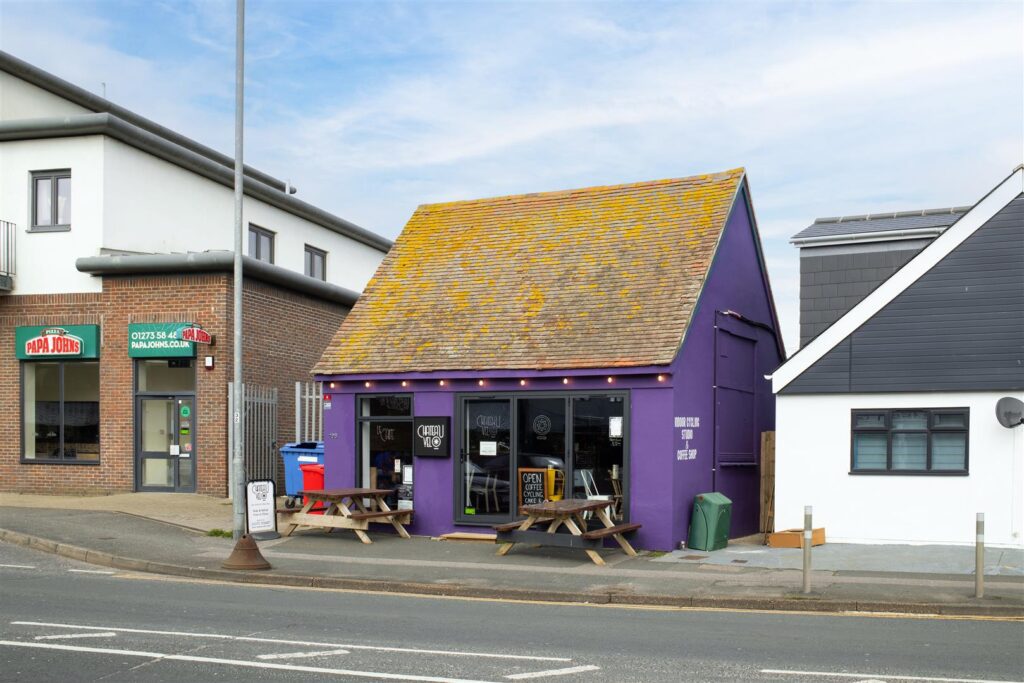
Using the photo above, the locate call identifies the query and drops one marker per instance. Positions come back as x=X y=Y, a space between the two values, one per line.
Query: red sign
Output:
x=196 y=335
x=54 y=341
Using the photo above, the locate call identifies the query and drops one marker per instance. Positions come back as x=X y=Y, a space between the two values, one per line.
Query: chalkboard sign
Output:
x=531 y=485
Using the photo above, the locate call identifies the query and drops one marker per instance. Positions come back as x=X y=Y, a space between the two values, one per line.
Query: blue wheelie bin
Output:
x=295 y=455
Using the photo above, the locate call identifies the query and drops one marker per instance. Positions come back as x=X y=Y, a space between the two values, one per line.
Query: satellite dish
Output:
x=1010 y=412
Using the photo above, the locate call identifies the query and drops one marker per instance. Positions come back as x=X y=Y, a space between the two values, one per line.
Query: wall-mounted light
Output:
x=441 y=383
x=332 y=385
x=481 y=382
x=404 y=383
x=522 y=382
x=565 y=380
x=366 y=384
x=610 y=380
x=661 y=378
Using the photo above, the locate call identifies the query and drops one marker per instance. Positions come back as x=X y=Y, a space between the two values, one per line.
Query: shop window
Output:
x=574 y=444
x=261 y=244
x=60 y=407
x=166 y=376
x=316 y=263
x=51 y=200
x=909 y=441
x=385 y=429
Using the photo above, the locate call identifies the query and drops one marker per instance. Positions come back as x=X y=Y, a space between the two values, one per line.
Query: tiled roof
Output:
x=590 y=278
x=882 y=222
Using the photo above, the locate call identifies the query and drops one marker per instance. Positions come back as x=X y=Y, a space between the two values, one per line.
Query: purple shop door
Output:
x=736 y=440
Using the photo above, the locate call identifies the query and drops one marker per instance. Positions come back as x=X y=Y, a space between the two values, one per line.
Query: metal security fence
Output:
x=259 y=425
x=309 y=411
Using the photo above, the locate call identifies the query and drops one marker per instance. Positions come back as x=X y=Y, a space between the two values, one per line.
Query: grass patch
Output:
x=219 y=533
x=656 y=553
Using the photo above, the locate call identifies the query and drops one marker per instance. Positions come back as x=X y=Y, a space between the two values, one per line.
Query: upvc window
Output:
x=909 y=441
x=51 y=200
x=261 y=244
x=60 y=408
x=316 y=263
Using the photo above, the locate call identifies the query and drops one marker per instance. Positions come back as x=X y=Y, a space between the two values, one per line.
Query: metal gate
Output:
x=309 y=411
x=259 y=424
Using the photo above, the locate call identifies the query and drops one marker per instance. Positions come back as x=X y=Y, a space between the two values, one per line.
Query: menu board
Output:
x=531 y=485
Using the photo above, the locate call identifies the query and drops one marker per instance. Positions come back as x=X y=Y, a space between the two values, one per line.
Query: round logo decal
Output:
x=541 y=425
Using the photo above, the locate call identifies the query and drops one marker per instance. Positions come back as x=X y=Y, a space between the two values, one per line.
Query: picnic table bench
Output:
x=570 y=513
x=353 y=509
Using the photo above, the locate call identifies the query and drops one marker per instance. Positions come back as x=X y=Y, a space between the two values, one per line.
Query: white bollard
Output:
x=979 y=556
x=807 y=549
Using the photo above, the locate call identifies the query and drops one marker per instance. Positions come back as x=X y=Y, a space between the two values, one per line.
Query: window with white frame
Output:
x=316 y=263
x=909 y=441
x=51 y=200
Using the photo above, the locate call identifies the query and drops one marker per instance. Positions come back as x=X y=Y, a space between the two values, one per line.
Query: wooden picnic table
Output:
x=570 y=513
x=353 y=509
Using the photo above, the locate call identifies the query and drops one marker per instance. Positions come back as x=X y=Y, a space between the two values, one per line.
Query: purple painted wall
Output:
x=665 y=470
x=735 y=284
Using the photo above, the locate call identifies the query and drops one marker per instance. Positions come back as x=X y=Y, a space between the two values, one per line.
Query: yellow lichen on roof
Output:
x=595 y=277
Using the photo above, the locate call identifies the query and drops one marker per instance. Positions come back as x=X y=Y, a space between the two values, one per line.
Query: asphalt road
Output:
x=64 y=620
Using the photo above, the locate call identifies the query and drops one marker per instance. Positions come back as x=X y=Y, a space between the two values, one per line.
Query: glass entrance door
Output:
x=487 y=458
x=165 y=453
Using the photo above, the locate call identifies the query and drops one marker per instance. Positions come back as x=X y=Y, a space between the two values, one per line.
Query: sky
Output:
x=373 y=108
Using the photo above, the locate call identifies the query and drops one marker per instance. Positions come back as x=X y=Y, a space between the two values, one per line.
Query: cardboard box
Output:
x=790 y=538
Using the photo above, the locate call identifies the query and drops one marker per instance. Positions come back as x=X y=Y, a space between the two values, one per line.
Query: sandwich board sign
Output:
x=260 y=515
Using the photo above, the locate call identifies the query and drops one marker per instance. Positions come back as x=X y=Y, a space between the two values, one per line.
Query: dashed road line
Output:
x=91 y=571
x=101 y=634
x=249 y=664
x=886 y=677
x=17 y=566
x=297 y=655
x=553 y=672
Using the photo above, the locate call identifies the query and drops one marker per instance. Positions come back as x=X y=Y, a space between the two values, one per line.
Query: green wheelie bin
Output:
x=709 y=523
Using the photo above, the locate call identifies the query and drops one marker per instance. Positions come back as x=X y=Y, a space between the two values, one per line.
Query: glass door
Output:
x=486 y=458
x=165 y=450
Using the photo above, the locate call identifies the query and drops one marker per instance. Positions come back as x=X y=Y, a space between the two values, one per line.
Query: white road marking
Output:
x=90 y=571
x=252 y=639
x=296 y=655
x=237 y=662
x=887 y=677
x=101 y=634
x=553 y=672
x=17 y=566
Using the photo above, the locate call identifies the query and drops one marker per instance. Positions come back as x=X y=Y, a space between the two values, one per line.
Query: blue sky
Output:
x=372 y=108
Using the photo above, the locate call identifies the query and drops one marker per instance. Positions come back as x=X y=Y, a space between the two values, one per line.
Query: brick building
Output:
x=116 y=294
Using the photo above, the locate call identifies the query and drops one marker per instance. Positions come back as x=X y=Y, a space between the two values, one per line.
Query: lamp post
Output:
x=237 y=462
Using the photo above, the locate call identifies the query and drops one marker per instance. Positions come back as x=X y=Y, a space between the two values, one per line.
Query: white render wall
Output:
x=153 y=206
x=813 y=463
x=46 y=260
x=21 y=100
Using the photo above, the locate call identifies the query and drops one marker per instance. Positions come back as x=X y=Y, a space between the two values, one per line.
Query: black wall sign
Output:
x=432 y=437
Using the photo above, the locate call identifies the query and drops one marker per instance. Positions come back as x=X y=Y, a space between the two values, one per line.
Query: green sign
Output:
x=185 y=412
x=159 y=340
x=57 y=341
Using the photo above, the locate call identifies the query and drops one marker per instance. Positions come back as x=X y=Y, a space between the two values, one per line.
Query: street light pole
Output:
x=237 y=462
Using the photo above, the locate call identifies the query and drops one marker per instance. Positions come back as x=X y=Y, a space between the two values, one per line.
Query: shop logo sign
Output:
x=194 y=334
x=54 y=341
x=541 y=425
x=432 y=435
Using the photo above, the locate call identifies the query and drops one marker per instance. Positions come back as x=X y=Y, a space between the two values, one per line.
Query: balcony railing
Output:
x=7 y=255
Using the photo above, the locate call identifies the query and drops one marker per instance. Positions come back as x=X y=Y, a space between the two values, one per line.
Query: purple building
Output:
x=608 y=341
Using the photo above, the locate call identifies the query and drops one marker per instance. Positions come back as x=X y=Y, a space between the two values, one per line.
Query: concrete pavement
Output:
x=164 y=533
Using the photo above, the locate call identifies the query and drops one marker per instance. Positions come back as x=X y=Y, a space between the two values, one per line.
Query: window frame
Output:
x=928 y=431
x=53 y=176
x=361 y=419
x=458 y=445
x=311 y=251
x=60 y=383
x=269 y=234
